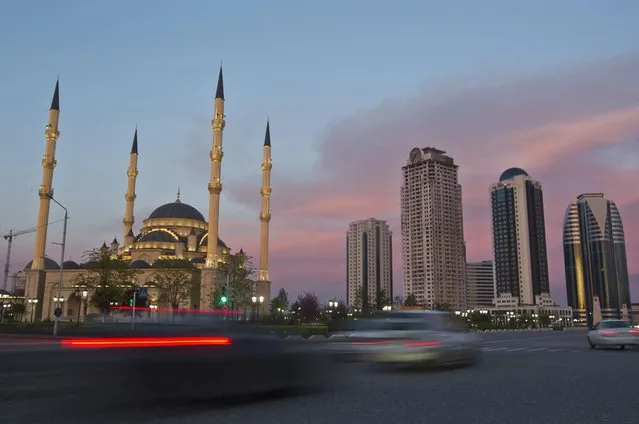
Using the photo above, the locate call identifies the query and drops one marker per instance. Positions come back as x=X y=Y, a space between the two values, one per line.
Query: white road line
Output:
x=493 y=349
x=555 y=350
x=517 y=349
x=537 y=349
x=520 y=339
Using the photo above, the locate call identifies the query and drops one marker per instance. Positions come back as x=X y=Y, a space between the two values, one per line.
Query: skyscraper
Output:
x=519 y=238
x=595 y=259
x=369 y=263
x=480 y=283
x=433 y=246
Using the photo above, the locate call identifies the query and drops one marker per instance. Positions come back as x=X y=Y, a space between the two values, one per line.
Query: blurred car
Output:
x=613 y=332
x=197 y=360
x=405 y=338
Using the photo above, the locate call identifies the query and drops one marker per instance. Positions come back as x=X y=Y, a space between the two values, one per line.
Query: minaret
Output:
x=215 y=188
x=263 y=285
x=51 y=134
x=132 y=174
x=215 y=184
x=265 y=212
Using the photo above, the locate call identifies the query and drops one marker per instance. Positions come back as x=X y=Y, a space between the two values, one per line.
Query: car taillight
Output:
x=634 y=331
x=422 y=344
x=608 y=332
x=113 y=342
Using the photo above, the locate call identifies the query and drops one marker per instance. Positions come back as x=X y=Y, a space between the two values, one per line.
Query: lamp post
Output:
x=63 y=245
x=261 y=300
x=3 y=305
x=57 y=302
x=85 y=295
x=33 y=302
x=254 y=300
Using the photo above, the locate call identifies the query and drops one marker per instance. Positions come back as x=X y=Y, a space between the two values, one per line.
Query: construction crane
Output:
x=9 y=237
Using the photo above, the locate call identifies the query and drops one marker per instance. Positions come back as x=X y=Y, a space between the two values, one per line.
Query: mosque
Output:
x=174 y=230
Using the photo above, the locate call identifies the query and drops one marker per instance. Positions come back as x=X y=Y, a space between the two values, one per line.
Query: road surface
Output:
x=526 y=378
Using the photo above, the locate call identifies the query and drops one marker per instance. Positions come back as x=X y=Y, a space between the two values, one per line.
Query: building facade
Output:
x=519 y=237
x=597 y=282
x=369 y=263
x=480 y=284
x=433 y=248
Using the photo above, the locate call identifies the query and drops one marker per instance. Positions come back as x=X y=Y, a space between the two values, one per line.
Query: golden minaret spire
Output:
x=215 y=184
x=45 y=192
x=132 y=174
x=265 y=212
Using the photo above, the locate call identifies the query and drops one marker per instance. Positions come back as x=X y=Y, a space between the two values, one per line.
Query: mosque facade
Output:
x=174 y=230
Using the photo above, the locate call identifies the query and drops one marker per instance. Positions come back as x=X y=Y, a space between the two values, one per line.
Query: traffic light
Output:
x=130 y=301
x=223 y=297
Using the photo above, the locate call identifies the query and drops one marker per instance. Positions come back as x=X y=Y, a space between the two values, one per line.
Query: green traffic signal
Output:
x=223 y=299
x=131 y=302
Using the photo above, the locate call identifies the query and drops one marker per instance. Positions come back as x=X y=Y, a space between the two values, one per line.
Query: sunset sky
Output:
x=349 y=86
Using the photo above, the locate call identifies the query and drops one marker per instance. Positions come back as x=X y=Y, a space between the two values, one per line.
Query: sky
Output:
x=349 y=88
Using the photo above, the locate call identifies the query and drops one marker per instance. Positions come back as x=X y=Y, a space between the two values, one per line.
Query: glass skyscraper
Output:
x=597 y=283
x=519 y=238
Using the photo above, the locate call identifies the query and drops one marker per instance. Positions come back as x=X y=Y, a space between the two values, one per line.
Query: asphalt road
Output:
x=526 y=378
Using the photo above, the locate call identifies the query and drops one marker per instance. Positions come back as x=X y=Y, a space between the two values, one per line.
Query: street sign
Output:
x=143 y=293
x=57 y=312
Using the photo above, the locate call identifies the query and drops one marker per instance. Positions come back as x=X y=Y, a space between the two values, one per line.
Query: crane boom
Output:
x=9 y=237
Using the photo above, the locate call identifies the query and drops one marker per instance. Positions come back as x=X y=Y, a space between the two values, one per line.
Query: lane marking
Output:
x=520 y=339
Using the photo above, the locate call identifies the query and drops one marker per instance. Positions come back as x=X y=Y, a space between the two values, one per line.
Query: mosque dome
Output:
x=511 y=173
x=70 y=265
x=48 y=264
x=177 y=210
x=139 y=264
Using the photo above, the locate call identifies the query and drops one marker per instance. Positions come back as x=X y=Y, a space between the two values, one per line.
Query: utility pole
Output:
x=63 y=245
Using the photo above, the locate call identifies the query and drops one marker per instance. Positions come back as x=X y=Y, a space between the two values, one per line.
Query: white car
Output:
x=613 y=332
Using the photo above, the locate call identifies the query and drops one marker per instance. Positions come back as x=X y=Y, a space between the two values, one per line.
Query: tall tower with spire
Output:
x=215 y=188
x=132 y=174
x=264 y=285
x=45 y=192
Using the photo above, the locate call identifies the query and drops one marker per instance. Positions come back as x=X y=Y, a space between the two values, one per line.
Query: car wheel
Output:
x=592 y=346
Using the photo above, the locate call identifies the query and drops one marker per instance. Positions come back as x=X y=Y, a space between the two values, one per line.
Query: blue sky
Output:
x=308 y=65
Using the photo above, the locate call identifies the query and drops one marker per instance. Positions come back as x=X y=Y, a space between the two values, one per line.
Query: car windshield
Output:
x=613 y=324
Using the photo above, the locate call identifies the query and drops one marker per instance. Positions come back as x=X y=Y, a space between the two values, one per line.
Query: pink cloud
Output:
x=555 y=126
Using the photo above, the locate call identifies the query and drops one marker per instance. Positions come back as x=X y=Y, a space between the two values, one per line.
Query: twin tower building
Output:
x=173 y=230
x=434 y=252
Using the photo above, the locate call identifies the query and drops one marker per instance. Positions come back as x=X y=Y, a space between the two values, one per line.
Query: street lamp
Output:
x=254 y=301
x=33 y=303
x=85 y=295
x=3 y=305
x=63 y=245
x=261 y=300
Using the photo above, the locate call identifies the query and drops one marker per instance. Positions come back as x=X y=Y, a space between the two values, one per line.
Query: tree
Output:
x=280 y=302
x=235 y=273
x=411 y=300
x=174 y=281
x=306 y=307
x=442 y=306
x=382 y=299
x=107 y=277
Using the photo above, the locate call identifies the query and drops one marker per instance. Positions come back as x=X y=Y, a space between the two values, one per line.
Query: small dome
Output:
x=70 y=265
x=139 y=264
x=220 y=243
x=48 y=264
x=511 y=173
x=177 y=209
x=158 y=236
